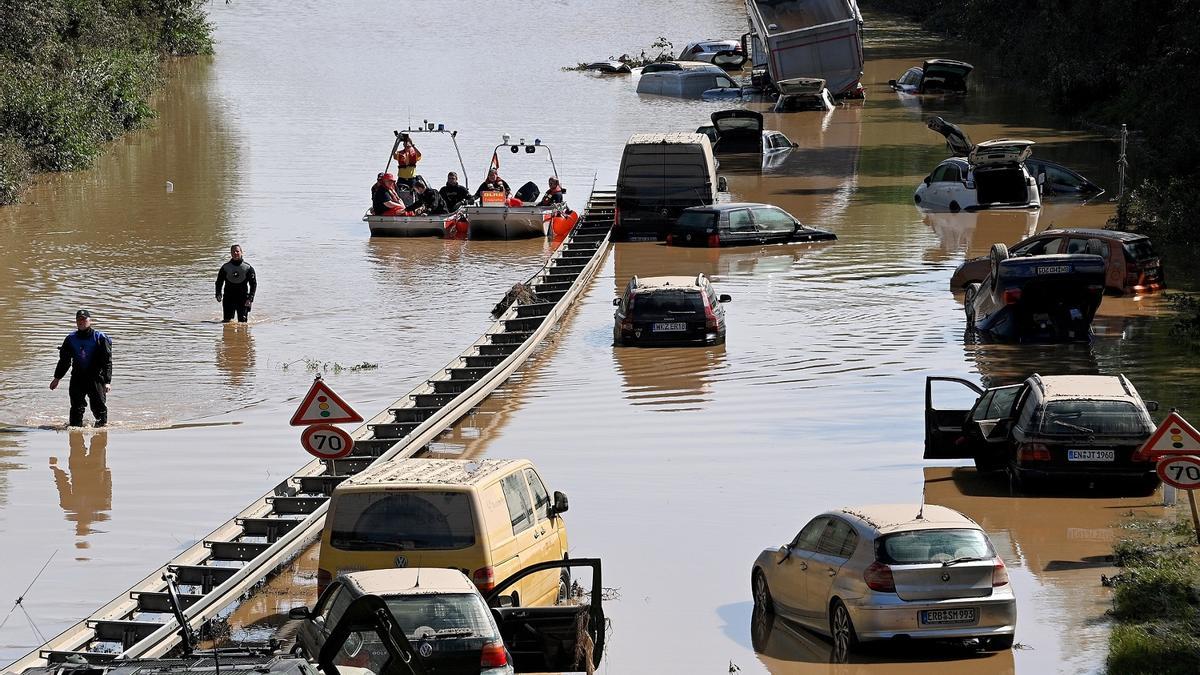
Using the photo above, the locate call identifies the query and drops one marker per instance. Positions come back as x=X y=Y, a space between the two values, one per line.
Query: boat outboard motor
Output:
x=528 y=193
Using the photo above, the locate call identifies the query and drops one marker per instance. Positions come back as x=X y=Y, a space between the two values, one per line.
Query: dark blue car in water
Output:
x=1038 y=298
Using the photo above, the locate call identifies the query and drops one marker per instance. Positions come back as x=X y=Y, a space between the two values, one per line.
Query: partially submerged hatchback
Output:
x=992 y=176
x=802 y=93
x=1087 y=428
x=741 y=224
x=1131 y=264
x=667 y=311
x=934 y=76
x=892 y=571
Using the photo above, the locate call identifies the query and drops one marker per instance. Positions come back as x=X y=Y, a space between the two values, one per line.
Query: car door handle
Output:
x=831 y=571
x=803 y=565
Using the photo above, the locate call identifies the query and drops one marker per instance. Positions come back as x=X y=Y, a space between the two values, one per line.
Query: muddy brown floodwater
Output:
x=681 y=464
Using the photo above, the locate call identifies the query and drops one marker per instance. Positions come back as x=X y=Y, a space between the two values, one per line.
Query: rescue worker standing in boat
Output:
x=406 y=161
x=88 y=354
x=240 y=284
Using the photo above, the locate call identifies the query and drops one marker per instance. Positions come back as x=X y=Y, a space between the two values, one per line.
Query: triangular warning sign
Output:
x=322 y=406
x=1173 y=437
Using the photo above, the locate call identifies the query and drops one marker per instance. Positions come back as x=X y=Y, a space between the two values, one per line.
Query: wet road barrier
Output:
x=234 y=559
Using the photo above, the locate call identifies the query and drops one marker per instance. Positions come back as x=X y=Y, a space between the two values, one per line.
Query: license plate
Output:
x=942 y=617
x=664 y=327
x=1091 y=455
x=1054 y=269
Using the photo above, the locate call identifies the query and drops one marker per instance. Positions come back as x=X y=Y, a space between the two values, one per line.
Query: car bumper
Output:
x=886 y=616
x=629 y=340
x=1089 y=472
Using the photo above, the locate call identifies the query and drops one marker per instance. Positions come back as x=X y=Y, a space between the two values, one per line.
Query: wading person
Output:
x=239 y=282
x=87 y=353
x=406 y=161
x=453 y=193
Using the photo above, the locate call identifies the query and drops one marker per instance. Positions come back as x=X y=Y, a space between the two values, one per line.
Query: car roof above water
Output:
x=408 y=581
x=1096 y=232
x=1086 y=387
x=889 y=518
x=429 y=472
x=643 y=284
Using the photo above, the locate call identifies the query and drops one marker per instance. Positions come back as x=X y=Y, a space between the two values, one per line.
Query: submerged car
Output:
x=1039 y=297
x=669 y=311
x=453 y=628
x=725 y=53
x=896 y=571
x=741 y=224
x=1056 y=180
x=935 y=76
x=1131 y=265
x=686 y=79
x=741 y=131
x=802 y=93
x=1056 y=428
x=993 y=176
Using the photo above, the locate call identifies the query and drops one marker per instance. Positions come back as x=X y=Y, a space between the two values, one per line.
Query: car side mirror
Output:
x=560 y=504
x=795 y=144
x=616 y=302
x=722 y=184
x=785 y=552
x=1152 y=406
x=724 y=298
x=892 y=83
x=927 y=180
x=299 y=613
x=1041 y=179
x=503 y=601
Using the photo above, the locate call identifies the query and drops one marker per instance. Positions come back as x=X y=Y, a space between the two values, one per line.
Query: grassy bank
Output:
x=75 y=74
x=1156 y=600
x=1105 y=62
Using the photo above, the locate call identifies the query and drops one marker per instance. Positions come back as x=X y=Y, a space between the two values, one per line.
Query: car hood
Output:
x=960 y=144
x=1000 y=151
x=947 y=68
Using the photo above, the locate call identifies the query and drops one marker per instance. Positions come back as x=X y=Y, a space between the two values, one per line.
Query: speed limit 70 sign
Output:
x=326 y=441
x=1182 y=471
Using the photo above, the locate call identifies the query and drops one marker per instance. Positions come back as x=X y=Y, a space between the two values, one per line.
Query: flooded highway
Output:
x=681 y=464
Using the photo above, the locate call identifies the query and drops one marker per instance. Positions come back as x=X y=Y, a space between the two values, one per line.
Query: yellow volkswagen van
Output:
x=488 y=518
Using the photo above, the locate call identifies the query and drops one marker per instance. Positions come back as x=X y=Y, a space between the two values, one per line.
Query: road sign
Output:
x=326 y=441
x=1182 y=471
x=322 y=406
x=1173 y=437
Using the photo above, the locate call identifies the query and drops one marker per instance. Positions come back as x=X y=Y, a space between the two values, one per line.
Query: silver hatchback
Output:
x=890 y=571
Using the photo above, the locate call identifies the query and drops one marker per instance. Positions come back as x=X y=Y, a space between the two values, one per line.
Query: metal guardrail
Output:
x=277 y=526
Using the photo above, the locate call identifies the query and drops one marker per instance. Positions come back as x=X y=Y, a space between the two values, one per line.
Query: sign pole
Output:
x=1169 y=495
x=1195 y=516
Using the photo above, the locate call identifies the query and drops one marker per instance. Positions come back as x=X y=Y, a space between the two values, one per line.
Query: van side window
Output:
x=541 y=500
x=516 y=495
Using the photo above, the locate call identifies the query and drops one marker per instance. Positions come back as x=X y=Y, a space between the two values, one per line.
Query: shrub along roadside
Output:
x=1156 y=601
x=75 y=75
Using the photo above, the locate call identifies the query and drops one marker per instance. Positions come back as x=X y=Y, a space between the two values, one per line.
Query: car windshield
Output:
x=1064 y=418
x=923 y=547
x=402 y=521
x=669 y=302
x=697 y=221
x=436 y=615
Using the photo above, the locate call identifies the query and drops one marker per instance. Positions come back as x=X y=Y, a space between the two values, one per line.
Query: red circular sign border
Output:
x=348 y=444
x=1187 y=459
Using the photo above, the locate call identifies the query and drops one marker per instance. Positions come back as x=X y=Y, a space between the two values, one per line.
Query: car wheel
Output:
x=997 y=643
x=969 y=304
x=954 y=207
x=841 y=629
x=564 y=588
x=1146 y=487
x=762 y=592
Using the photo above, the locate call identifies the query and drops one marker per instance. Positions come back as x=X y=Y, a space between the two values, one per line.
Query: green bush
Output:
x=1153 y=648
x=75 y=74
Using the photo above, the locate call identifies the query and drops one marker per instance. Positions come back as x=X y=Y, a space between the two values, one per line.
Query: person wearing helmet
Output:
x=428 y=202
x=385 y=201
x=554 y=193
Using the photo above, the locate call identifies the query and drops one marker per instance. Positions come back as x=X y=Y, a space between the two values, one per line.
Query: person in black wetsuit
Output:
x=239 y=282
x=428 y=201
x=453 y=193
x=88 y=354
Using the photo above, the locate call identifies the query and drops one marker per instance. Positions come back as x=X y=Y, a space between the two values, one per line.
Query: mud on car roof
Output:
x=894 y=517
x=1059 y=387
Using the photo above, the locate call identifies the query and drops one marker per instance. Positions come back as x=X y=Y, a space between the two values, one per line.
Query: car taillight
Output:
x=710 y=317
x=1033 y=452
x=1096 y=288
x=484 y=578
x=670 y=239
x=493 y=656
x=616 y=216
x=1012 y=296
x=323 y=579
x=879 y=578
x=714 y=240
x=999 y=573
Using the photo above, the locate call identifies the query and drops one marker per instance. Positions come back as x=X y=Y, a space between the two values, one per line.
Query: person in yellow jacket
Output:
x=406 y=161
